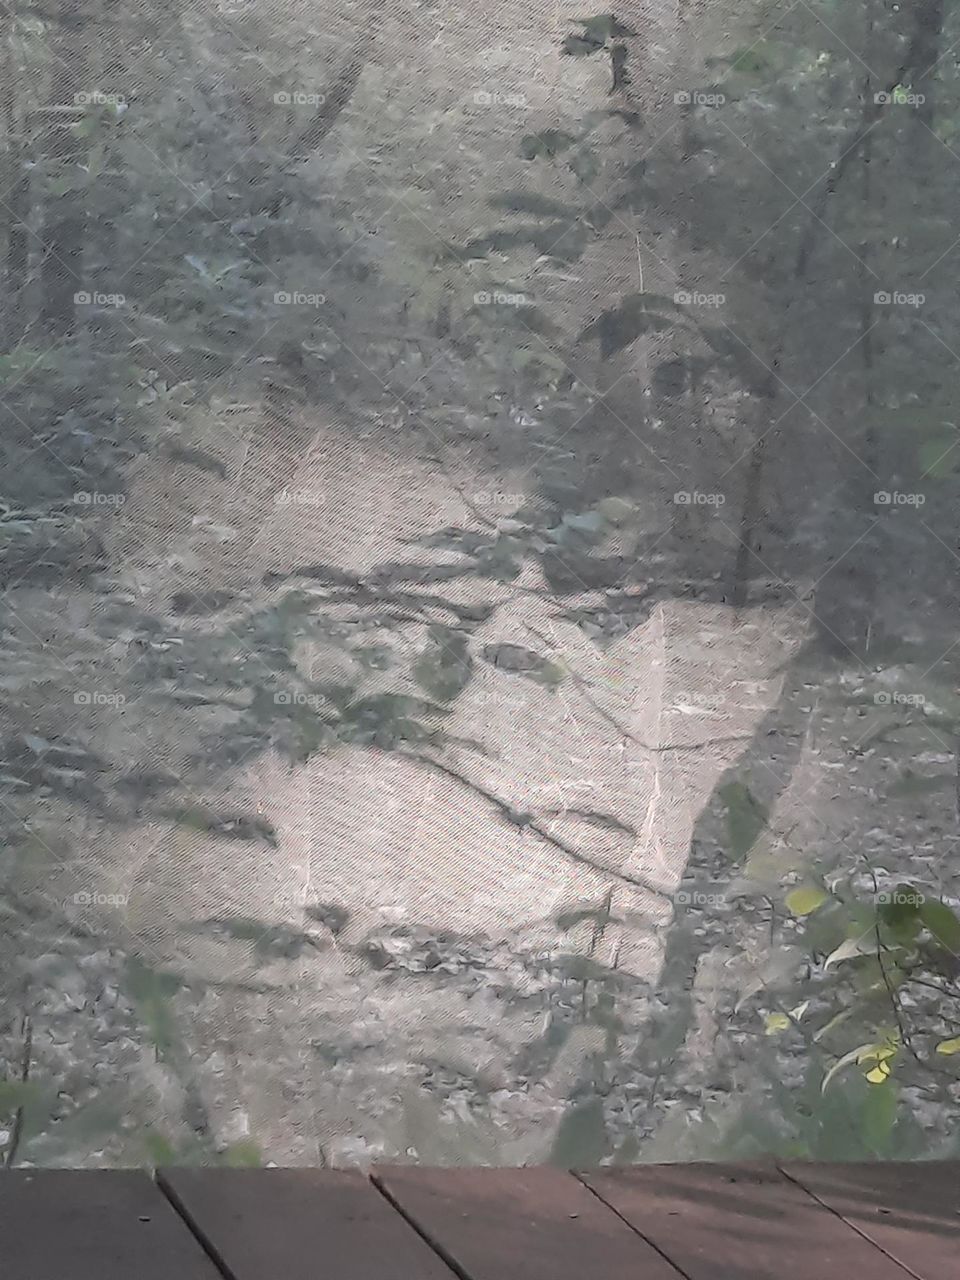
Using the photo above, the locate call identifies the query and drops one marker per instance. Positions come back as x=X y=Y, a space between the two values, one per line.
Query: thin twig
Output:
x=17 y=1130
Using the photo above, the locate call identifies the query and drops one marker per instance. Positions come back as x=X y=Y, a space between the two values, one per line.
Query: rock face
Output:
x=373 y=790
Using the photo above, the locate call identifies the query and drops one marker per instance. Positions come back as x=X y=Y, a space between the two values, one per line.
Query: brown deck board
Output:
x=111 y=1224
x=521 y=1224
x=299 y=1224
x=747 y=1222
x=910 y=1211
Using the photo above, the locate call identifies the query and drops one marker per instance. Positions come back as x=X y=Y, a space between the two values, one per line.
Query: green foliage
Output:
x=939 y=457
x=746 y=818
x=805 y=899
x=244 y=1154
x=15 y=1094
x=582 y=1140
x=943 y=925
x=876 y=1056
x=152 y=992
x=902 y=943
x=160 y=1151
x=444 y=668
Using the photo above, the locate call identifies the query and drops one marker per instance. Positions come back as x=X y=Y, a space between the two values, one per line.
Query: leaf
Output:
x=948 y=1047
x=851 y=949
x=880 y=1053
x=837 y=1020
x=942 y=922
x=776 y=1022
x=619 y=326
x=805 y=899
x=900 y=912
x=746 y=818
x=879 y=1073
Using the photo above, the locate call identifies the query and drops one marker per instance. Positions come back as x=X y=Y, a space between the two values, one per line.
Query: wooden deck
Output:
x=651 y=1222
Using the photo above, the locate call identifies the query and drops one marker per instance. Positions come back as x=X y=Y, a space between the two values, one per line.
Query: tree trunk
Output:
x=64 y=222
x=15 y=194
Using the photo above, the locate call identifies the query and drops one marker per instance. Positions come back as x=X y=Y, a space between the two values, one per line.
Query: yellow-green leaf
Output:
x=879 y=1053
x=775 y=1022
x=879 y=1072
x=949 y=1046
x=805 y=899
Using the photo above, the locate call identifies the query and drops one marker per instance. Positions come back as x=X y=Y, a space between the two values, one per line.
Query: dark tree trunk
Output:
x=16 y=197
x=62 y=148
